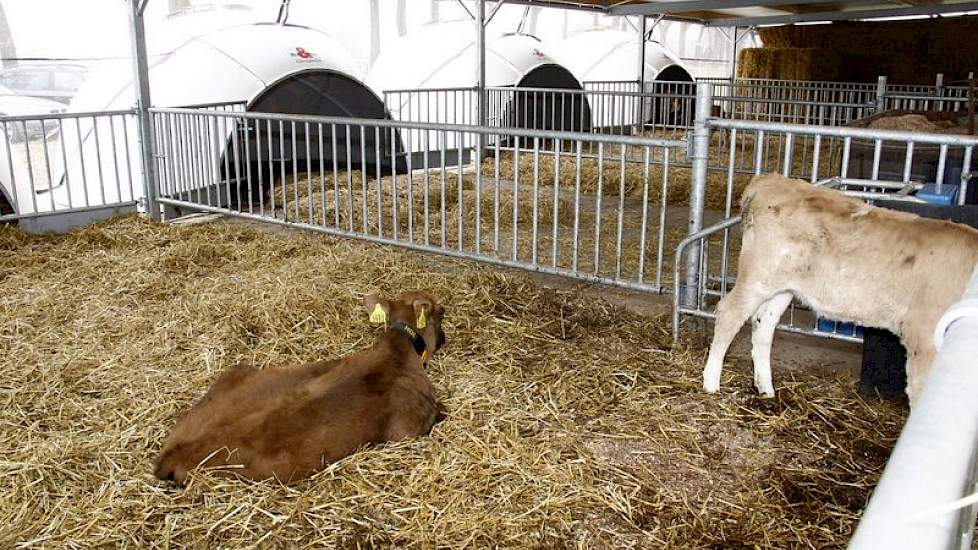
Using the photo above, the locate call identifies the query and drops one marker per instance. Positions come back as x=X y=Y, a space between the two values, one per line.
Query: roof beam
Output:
x=681 y=6
x=844 y=15
x=583 y=6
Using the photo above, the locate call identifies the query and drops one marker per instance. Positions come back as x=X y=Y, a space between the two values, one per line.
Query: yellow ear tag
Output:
x=422 y=322
x=378 y=315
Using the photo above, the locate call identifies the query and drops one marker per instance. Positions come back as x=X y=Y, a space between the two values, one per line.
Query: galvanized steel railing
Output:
x=591 y=207
x=68 y=163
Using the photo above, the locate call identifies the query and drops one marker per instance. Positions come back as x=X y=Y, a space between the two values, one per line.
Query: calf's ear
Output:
x=377 y=308
x=422 y=306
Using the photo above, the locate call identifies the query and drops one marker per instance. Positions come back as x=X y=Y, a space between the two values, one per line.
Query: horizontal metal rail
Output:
x=410 y=125
x=843 y=132
x=65 y=115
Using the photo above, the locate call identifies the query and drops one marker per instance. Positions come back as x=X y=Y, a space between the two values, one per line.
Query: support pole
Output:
x=641 y=53
x=697 y=190
x=140 y=67
x=880 y=94
x=639 y=101
x=480 y=79
x=733 y=56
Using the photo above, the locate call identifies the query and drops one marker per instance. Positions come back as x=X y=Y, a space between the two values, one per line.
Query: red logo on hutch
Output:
x=302 y=55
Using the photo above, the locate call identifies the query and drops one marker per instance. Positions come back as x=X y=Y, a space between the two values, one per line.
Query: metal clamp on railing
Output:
x=917 y=504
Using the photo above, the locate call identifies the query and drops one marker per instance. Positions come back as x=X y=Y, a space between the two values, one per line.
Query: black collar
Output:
x=416 y=340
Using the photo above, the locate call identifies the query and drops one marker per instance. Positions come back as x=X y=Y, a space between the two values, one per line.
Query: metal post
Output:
x=733 y=56
x=641 y=52
x=880 y=94
x=697 y=188
x=480 y=81
x=639 y=107
x=147 y=142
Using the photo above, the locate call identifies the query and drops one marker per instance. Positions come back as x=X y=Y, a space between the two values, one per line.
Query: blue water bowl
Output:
x=836 y=327
x=947 y=195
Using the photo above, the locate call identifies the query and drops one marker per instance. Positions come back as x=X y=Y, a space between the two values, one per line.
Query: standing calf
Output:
x=847 y=260
x=291 y=423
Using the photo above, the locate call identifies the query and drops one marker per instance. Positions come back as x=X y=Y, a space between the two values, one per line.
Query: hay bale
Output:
x=907 y=52
x=788 y=63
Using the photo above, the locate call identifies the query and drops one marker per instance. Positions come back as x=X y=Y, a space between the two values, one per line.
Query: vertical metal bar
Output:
x=697 y=198
x=64 y=163
x=621 y=214
x=536 y=197
x=908 y=161
x=322 y=172
x=645 y=213
x=516 y=192
x=577 y=204
x=98 y=159
x=880 y=103
x=816 y=154
x=349 y=179
x=247 y=147
x=442 y=144
x=480 y=87
x=143 y=103
x=380 y=185
x=877 y=150
x=556 y=218
x=81 y=160
x=295 y=171
x=236 y=151
x=427 y=183
x=312 y=211
x=941 y=162
x=47 y=165
x=14 y=199
x=410 y=187
x=597 y=209
x=336 y=177
x=846 y=145
x=270 y=165
x=495 y=199
x=789 y=140
x=478 y=192
x=394 y=224
x=363 y=178
x=281 y=164
x=965 y=175
x=459 y=138
x=662 y=218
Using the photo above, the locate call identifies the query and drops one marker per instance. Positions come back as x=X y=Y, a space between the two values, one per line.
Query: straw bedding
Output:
x=572 y=423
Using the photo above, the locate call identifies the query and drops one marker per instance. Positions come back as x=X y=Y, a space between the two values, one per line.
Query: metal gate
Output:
x=587 y=206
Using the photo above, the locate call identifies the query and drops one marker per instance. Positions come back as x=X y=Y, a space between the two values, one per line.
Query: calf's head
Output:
x=417 y=309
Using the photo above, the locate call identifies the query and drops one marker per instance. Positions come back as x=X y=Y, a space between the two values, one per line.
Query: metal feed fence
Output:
x=665 y=108
x=57 y=170
x=591 y=207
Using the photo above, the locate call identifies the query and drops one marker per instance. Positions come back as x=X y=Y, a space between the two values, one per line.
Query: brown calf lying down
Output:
x=291 y=423
x=847 y=260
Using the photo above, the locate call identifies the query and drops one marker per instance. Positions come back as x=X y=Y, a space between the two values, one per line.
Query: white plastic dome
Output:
x=612 y=55
x=442 y=55
x=248 y=63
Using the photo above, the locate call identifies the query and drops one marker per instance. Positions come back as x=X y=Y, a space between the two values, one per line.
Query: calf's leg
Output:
x=732 y=311
x=920 y=358
x=764 y=321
